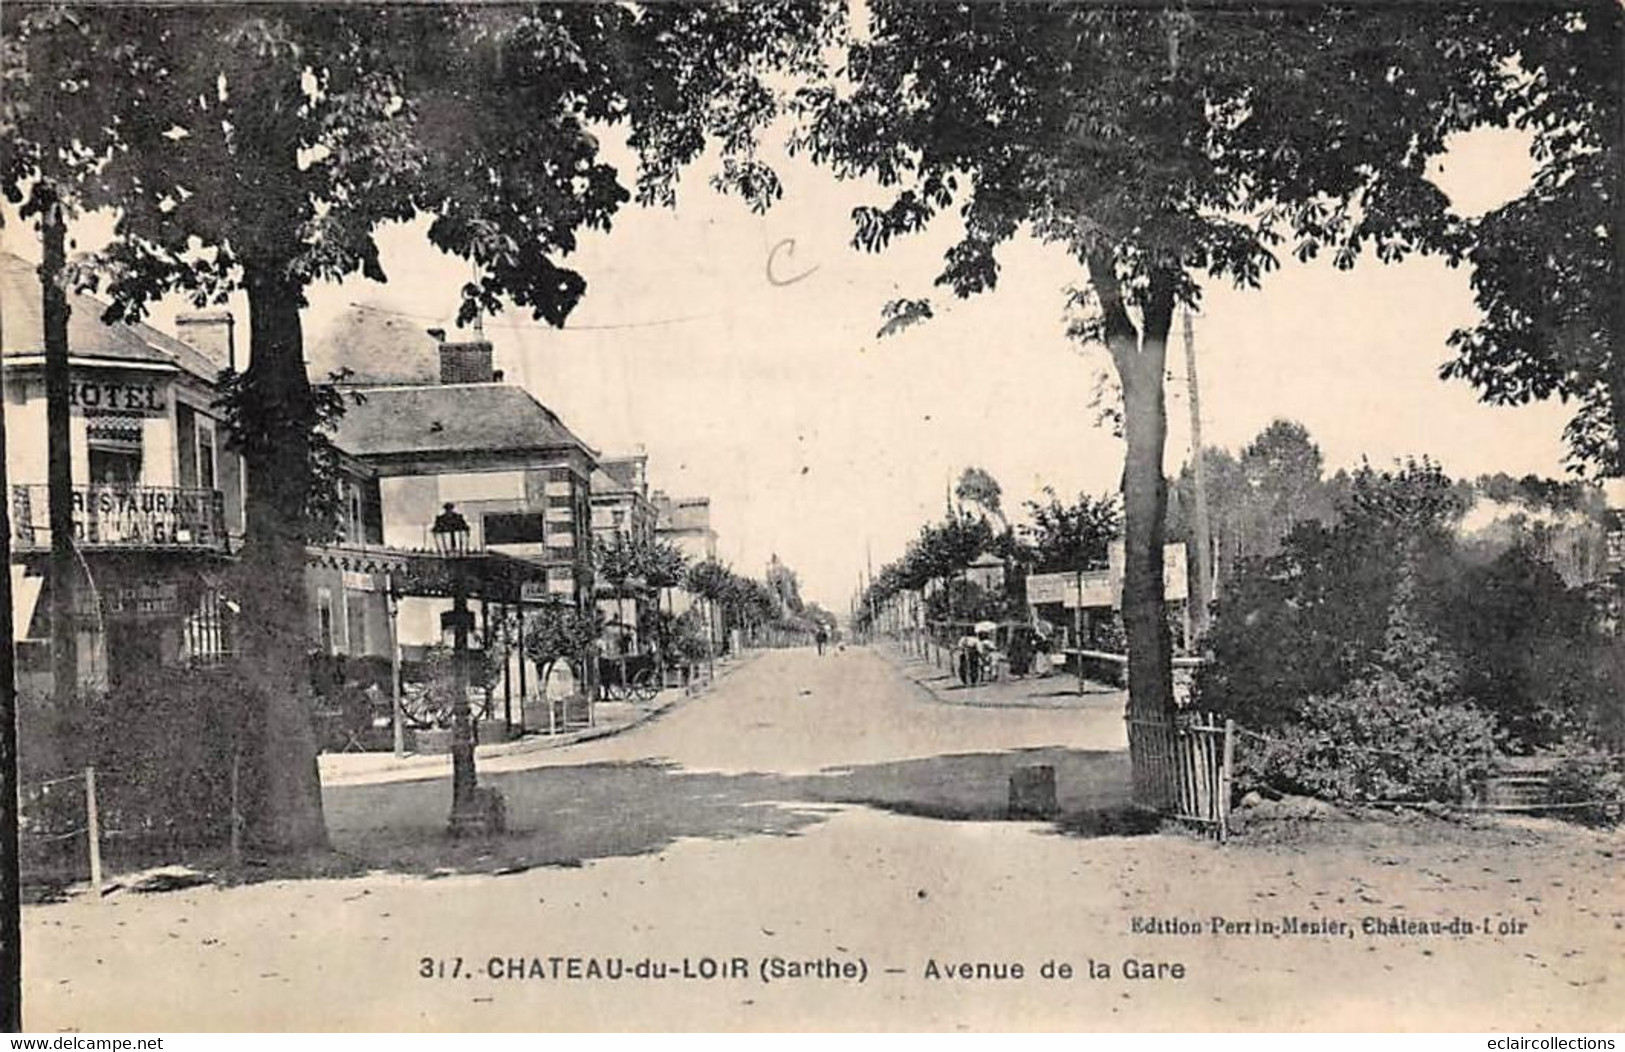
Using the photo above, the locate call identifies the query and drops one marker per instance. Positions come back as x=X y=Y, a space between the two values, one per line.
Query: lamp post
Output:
x=631 y=634
x=397 y=722
x=450 y=532
x=1077 y=627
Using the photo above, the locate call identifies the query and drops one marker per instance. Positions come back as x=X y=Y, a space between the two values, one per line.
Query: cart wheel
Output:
x=422 y=709
x=644 y=685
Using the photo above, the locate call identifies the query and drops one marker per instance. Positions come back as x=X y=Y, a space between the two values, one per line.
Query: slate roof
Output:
x=450 y=418
x=623 y=470
x=377 y=347
x=22 y=327
x=606 y=485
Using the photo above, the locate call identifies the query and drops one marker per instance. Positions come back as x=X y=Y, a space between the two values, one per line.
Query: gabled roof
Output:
x=449 y=418
x=22 y=327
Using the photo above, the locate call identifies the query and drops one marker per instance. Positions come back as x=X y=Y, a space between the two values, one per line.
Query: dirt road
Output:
x=819 y=844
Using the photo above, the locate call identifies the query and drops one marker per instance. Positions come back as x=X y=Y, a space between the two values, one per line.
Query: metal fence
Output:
x=60 y=830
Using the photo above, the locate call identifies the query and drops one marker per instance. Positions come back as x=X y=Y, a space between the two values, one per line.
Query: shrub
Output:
x=1377 y=739
x=1304 y=622
x=1505 y=633
x=163 y=746
x=686 y=633
x=1593 y=784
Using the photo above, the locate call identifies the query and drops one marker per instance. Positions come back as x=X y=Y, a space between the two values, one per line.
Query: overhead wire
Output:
x=652 y=323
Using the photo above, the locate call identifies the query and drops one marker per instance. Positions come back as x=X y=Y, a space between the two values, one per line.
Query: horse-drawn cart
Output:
x=634 y=677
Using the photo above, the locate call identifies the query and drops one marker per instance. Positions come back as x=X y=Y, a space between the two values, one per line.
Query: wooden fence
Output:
x=1182 y=767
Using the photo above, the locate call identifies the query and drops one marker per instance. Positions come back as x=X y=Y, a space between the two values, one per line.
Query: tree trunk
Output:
x=58 y=454
x=620 y=615
x=1141 y=358
x=275 y=637
x=1145 y=504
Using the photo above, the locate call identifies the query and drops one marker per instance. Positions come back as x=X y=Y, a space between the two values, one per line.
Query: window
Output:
x=355 y=613
x=324 y=620
x=352 y=527
x=185 y=444
x=115 y=466
x=357 y=530
x=115 y=449
x=205 y=454
x=208 y=631
x=514 y=528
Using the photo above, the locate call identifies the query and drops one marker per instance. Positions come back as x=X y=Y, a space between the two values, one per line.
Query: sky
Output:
x=740 y=352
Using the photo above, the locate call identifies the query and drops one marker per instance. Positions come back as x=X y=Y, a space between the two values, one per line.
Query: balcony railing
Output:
x=115 y=515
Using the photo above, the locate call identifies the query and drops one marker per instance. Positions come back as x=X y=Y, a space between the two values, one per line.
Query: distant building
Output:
x=986 y=572
x=686 y=523
x=620 y=499
x=782 y=582
x=622 y=513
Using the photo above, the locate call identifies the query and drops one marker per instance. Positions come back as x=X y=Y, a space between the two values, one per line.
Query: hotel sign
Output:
x=109 y=396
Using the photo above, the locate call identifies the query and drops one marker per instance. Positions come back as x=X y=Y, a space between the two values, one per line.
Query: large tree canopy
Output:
x=1158 y=147
x=262 y=146
x=1549 y=266
x=238 y=134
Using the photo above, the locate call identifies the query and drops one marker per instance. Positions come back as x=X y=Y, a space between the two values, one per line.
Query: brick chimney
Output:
x=212 y=333
x=467 y=362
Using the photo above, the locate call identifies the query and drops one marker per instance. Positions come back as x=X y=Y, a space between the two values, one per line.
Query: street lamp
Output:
x=450 y=531
x=469 y=813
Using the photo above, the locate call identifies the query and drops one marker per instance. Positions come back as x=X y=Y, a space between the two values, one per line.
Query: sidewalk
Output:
x=612 y=717
x=1058 y=690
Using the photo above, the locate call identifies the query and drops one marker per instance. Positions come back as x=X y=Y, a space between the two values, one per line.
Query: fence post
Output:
x=1224 y=779
x=1077 y=630
x=93 y=831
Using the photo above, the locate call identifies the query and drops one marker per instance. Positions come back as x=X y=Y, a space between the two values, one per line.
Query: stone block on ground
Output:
x=1032 y=792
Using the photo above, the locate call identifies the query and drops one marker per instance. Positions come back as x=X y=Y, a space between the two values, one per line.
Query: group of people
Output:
x=977 y=655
